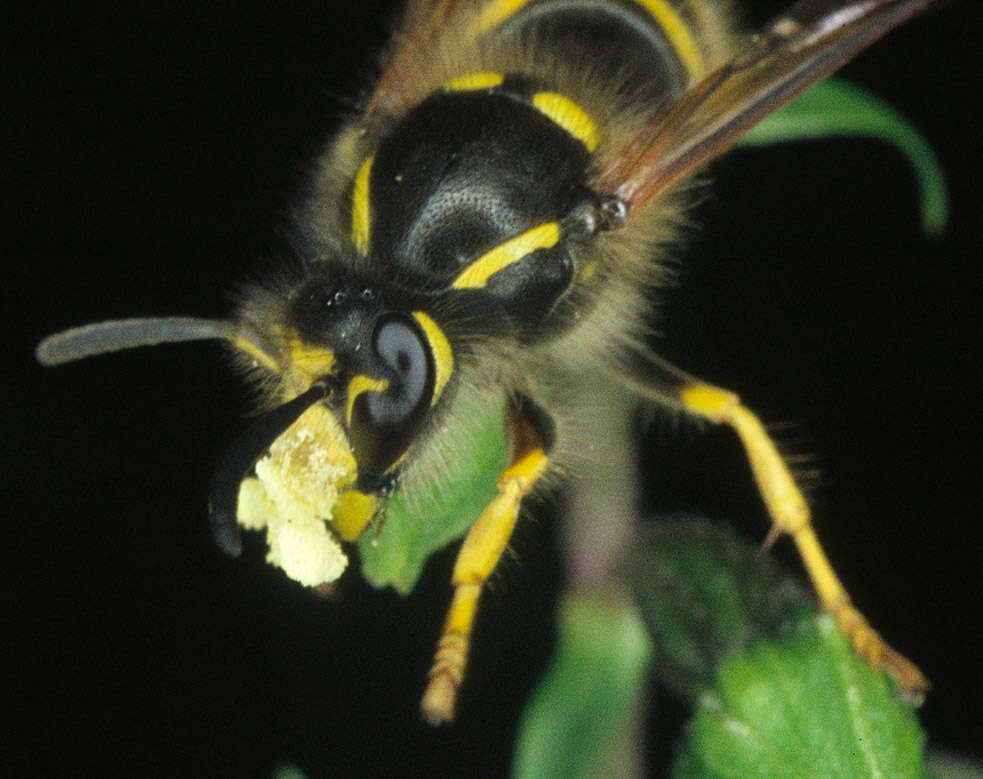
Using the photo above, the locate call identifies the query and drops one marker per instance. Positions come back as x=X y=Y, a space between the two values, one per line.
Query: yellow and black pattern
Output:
x=488 y=230
x=681 y=27
x=561 y=109
x=455 y=130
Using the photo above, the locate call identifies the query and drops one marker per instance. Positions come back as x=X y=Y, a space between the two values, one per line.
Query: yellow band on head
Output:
x=443 y=357
x=357 y=386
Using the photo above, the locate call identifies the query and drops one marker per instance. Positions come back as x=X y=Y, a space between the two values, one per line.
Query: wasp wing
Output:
x=797 y=49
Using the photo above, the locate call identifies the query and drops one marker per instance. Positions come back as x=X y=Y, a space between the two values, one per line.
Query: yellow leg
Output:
x=790 y=514
x=480 y=553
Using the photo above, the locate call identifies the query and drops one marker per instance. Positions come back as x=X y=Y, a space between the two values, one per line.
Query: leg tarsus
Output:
x=869 y=645
x=446 y=675
x=658 y=380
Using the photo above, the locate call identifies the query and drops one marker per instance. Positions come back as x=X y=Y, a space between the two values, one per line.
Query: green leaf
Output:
x=582 y=708
x=287 y=770
x=836 y=108
x=806 y=706
x=705 y=594
x=424 y=517
x=777 y=690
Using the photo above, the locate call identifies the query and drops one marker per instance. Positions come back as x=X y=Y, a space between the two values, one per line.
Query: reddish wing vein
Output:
x=797 y=49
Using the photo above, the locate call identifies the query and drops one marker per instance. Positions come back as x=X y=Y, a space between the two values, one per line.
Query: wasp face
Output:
x=362 y=367
x=382 y=359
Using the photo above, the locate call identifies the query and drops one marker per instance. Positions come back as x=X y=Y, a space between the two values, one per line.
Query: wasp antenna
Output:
x=118 y=334
x=223 y=496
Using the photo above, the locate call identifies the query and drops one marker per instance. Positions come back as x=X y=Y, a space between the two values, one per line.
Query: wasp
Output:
x=479 y=246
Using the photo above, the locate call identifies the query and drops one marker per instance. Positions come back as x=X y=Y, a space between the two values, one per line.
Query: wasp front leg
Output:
x=480 y=553
x=783 y=499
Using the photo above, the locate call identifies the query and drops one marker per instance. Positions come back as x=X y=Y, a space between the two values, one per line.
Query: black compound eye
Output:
x=401 y=348
x=383 y=423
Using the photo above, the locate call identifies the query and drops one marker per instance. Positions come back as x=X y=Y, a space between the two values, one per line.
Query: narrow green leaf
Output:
x=836 y=108
x=424 y=517
x=579 y=713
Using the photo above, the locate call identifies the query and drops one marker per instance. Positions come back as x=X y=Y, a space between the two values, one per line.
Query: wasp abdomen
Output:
x=618 y=39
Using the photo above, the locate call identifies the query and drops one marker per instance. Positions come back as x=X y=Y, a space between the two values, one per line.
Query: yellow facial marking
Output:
x=309 y=360
x=570 y=116
x=474 y=81
x=475 y=276
x=361 y=218
x=495 y=13
x=443 y=357
x=357 y=386
x=678 y=34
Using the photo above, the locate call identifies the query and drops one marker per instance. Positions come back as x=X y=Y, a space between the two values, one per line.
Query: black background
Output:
x=153 y=154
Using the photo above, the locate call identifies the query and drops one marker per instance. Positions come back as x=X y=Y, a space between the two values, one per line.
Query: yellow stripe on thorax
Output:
x=472 y=81
x=443 y=357
x=475 y=276
x=361 y=218
x=570 y=116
